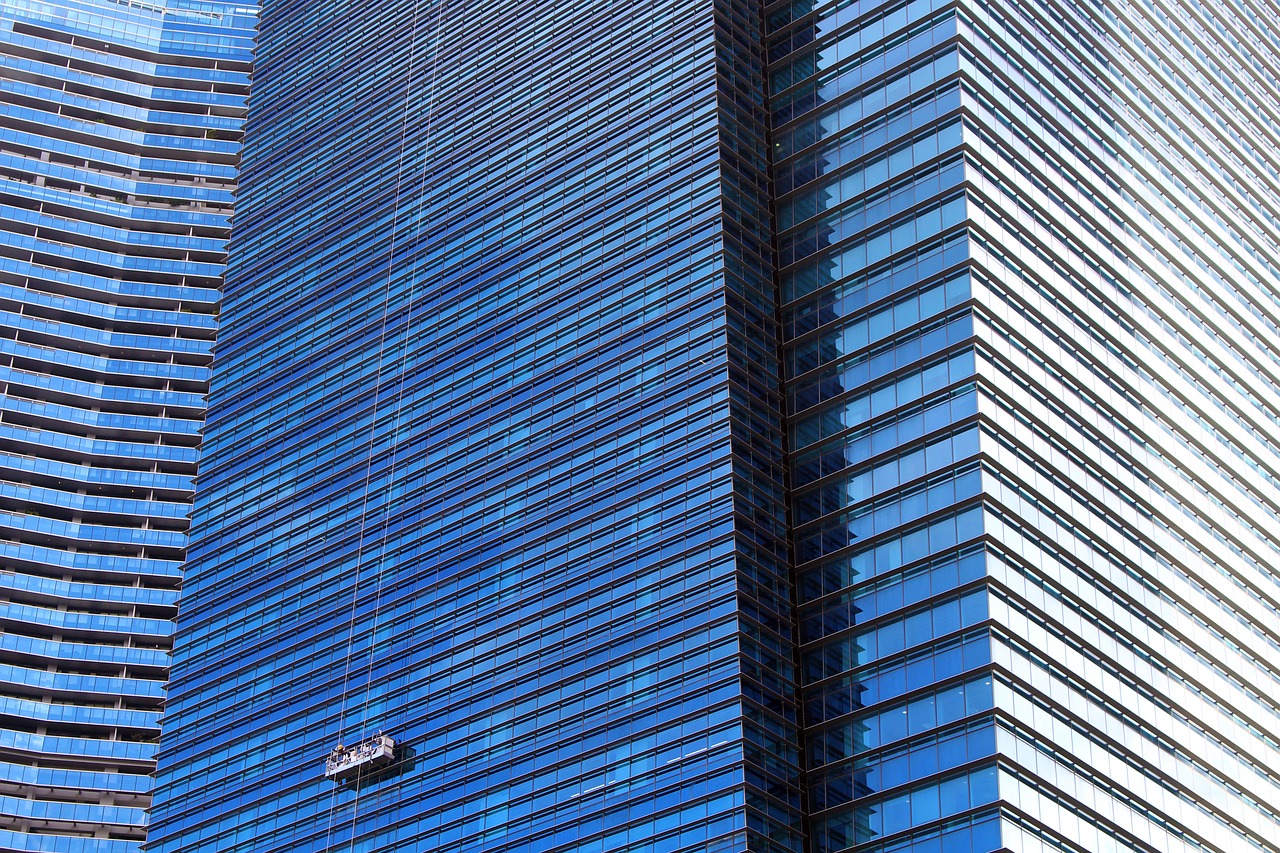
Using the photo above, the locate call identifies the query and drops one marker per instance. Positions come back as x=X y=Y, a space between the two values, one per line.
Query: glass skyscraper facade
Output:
x=880 y=348
x=119 y=133
x=741 y=426
x=493 y=462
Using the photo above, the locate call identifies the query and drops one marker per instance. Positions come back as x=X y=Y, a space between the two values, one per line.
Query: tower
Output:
x=799 y=427
x=119 y=131
x=495 y=412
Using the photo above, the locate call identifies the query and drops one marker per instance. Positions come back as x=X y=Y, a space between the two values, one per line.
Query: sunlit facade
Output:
x=726 y=426
x=1028 y=266
x=119 y=131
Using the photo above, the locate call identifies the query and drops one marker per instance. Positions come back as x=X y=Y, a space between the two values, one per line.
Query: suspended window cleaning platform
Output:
x=347 y=762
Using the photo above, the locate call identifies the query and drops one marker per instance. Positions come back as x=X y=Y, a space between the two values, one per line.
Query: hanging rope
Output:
x=403 y=360
x=400 y=361
x=403 y=364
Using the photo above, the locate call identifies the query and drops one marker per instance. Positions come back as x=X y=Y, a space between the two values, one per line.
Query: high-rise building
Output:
x=736 y=426
x=119 y=132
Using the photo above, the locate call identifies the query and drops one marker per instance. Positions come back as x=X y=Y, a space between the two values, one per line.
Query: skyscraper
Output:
x=734 y=426
x=119 y=131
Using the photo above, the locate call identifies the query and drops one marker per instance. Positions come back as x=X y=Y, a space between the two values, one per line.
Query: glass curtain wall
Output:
x=789 y=426
x=493 y=464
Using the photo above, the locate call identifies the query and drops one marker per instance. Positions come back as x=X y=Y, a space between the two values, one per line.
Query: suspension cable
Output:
x=377 y=396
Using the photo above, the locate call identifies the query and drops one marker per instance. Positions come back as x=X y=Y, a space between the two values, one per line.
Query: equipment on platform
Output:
x=347 y=762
